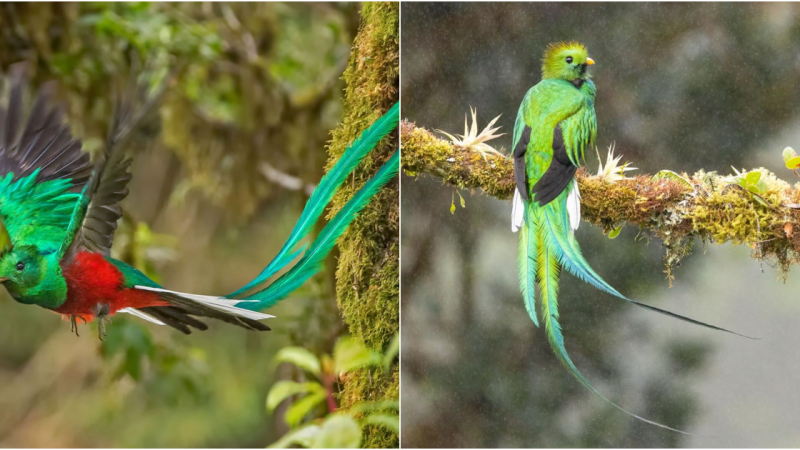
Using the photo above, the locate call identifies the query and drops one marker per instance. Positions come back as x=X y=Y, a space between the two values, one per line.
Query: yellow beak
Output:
x=589 y=62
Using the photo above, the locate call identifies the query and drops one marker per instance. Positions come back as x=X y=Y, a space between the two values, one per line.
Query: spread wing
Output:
x=41 y=165
x=98 y=211
x=95 y=216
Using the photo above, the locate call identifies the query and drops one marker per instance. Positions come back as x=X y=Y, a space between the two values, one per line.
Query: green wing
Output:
x=41 y=166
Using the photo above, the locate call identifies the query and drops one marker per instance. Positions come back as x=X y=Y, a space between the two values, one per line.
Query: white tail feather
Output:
x=218 y=303
x=574 y=206
x=517 y=211
x=141 y=315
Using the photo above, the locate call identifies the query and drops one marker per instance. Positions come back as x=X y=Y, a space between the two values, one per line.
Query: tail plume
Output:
x=323 y=194
x=548 y=268
x=319 y=249
x=183 y=306
x=559 y=236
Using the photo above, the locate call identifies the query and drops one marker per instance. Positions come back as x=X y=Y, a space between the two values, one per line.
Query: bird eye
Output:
x=569 y=59
x=20 y=265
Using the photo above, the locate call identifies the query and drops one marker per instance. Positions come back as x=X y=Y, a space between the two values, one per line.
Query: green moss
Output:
x=367 y=276
x=425 y=153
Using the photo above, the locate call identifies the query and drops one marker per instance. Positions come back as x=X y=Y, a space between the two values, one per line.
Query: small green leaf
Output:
x=753 y=177
x=461 y=199
x=300 y=357
x=614 y=233
x=350 y=354
x=760 y=200
x=793 y=163
x=788 y=153
x=284 y=389
x=453 y=208
x=741 y=181
x=384 y=420
x=338 y=431
x=301 y=408
x=391 y=352
x=670 y=175
x=303 y=436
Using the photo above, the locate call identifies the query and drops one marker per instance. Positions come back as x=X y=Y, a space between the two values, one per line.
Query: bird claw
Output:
x=74 y=322
x=102 y=313
x=101 y=326
x=73 y=319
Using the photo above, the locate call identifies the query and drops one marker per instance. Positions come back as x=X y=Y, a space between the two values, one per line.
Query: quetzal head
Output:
x=20 y=268
x=567 y=61
x=22 y=271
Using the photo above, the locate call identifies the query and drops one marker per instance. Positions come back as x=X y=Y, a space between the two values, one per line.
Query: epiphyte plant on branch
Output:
x=59 y=213
x=555 y=124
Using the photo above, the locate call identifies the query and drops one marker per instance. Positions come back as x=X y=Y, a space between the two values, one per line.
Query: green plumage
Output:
x=555 y=125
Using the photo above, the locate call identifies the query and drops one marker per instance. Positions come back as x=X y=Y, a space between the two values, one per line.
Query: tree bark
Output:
x=367 y=277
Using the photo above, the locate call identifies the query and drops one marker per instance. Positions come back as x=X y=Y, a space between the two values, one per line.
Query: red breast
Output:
x=92 y=281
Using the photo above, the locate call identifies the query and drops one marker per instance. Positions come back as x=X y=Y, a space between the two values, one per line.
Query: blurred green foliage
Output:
x=333 y=429
x=254 y=84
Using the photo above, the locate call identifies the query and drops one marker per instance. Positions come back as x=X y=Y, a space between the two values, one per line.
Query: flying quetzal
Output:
x=555 y=124
x=59 y=213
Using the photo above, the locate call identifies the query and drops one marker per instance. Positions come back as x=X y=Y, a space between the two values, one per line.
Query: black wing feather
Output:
x=108 y=184
x=558 y=175
x=520 y=176
x=45 y=142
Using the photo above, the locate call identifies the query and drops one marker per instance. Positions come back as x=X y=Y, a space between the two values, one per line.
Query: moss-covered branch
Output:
x=367 y=277
x=709 y=206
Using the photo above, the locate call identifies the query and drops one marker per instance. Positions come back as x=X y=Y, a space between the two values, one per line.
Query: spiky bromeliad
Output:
x=60 y=212
x=555 y=124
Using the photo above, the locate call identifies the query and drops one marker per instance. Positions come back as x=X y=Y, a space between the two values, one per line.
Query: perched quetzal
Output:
x=59 y=213
x=555 y=124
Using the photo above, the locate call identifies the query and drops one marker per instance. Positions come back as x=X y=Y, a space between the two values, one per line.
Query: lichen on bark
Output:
x=714 y=209
x=367 y=276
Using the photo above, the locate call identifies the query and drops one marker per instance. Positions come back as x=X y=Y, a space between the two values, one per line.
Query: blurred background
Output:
x=238 y=144
x=681 y=87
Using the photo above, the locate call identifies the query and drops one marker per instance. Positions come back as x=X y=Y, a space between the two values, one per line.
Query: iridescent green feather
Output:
x=322 y=245
x=549 y=258
x=563 y=100
x=323 y=194
x=36 y=213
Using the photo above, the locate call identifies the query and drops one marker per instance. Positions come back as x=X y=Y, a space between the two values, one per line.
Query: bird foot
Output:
x=73 y=319
x=102 y=315
x=101 y=328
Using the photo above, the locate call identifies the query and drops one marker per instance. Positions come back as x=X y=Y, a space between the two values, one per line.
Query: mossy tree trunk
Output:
x=705 y=205
x=367 y=277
